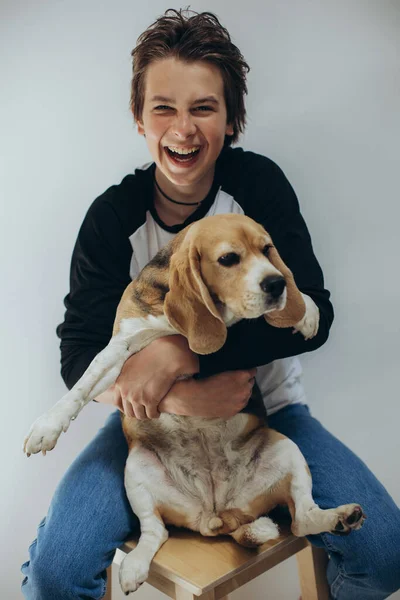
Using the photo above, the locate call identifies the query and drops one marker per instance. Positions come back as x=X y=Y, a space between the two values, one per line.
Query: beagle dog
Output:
x=215 y=476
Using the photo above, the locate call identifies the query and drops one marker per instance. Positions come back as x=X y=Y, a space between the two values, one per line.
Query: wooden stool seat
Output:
x=190 y=566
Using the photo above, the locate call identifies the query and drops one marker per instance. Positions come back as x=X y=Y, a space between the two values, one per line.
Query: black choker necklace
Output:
x=175 y=201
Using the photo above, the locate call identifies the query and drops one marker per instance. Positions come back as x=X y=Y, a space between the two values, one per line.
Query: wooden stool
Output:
x=189 y=566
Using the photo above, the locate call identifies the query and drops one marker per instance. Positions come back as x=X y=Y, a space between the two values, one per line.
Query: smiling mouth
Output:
x=183 y=156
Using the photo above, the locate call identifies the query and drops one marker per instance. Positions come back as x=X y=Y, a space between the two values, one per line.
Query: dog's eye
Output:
x=266 y=249
x=230 y=259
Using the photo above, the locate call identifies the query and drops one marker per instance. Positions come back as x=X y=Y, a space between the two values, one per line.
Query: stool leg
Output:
x=311 y=564
x=109 y=579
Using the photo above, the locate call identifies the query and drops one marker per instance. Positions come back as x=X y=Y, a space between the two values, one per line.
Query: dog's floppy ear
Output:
x=188 y=304
x=295 y=307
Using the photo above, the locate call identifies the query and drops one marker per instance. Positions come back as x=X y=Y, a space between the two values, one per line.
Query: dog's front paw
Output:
x=44 y=433
x=133 y=573
x=308 y=326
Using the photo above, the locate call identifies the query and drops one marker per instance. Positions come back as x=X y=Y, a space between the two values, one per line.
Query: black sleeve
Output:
x=271 y=201
x=99 y=275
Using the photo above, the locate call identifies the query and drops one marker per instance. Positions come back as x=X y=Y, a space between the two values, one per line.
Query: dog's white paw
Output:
x=308 y=326
x=133 y=573
x=45 y=431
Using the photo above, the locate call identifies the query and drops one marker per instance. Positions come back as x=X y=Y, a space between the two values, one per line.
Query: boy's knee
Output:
x=47 y=579
x=63 y=576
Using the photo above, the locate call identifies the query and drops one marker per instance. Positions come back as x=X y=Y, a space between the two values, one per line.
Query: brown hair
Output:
x=199 y=36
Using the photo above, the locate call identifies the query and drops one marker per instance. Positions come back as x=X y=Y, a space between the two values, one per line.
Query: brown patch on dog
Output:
x=171 y=516
x=149 y=434
x=189 y=306
x=129 y=427
x=162 y=259
x=253 y=423
x=275 y=436
x=245 y=537
x=277 y=494
x=259 y=506
x=146 y=294
x=295 y=307
x=233 y=518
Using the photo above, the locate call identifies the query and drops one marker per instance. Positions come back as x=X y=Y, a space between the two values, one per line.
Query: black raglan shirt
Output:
x=121 y=232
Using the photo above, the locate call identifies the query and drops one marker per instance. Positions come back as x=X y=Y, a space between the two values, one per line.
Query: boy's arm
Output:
x=99 y=275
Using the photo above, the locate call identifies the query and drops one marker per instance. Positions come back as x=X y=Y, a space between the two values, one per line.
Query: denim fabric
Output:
x=90 y=517
x=366 y=564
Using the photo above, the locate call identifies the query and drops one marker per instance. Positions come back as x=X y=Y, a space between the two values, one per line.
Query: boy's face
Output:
x=184 y=111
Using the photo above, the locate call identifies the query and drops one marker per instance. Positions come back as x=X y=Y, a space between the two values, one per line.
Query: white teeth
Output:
x=183 y=150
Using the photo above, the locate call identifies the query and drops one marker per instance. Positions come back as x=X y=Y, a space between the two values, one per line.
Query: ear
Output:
x=188 y=304
x=140 y=127
x=295 y=307
x=229 y=129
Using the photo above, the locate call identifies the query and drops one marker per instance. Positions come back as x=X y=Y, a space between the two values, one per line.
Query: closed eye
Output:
x=266 y=249
x=229 y=259
x=164 y=107
x=203 y=108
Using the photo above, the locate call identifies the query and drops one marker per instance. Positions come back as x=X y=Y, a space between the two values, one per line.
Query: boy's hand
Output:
x=222 y=395
x=147 y=376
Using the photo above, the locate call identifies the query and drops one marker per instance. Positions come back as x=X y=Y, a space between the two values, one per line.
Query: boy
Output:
x=188 y=89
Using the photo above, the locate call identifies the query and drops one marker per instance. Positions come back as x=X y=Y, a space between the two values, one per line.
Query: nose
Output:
x=273 y=286
x=183 y=126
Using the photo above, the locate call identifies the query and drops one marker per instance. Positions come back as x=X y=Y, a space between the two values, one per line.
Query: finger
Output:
x=246 y=400
x=118 y=400
x=127 y=407
x=152 y=411
x=140 y=412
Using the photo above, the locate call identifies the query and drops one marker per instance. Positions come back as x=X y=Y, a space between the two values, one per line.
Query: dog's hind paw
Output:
x=351 y=517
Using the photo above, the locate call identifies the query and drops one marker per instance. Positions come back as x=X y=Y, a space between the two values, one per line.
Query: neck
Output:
x=189 y=196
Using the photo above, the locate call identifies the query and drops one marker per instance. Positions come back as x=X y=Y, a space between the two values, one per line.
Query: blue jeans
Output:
x=90 y=517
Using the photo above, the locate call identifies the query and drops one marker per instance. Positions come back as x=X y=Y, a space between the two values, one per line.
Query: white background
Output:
x=323 y=103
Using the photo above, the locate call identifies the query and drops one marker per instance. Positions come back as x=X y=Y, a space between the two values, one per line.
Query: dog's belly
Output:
x=196 y=468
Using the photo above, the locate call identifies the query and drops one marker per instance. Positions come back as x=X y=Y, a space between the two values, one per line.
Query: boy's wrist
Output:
x=179 y=399
x=180 y=359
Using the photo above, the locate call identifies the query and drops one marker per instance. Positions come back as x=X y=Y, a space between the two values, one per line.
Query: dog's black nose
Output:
x=273 y=285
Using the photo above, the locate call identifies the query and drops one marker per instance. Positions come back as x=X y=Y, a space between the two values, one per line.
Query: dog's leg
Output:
x=159 y=492
x=283 y=477
x=307 y=517
x=135 y=567
x=101 y=373
x=309 y=324
x=98 y=377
